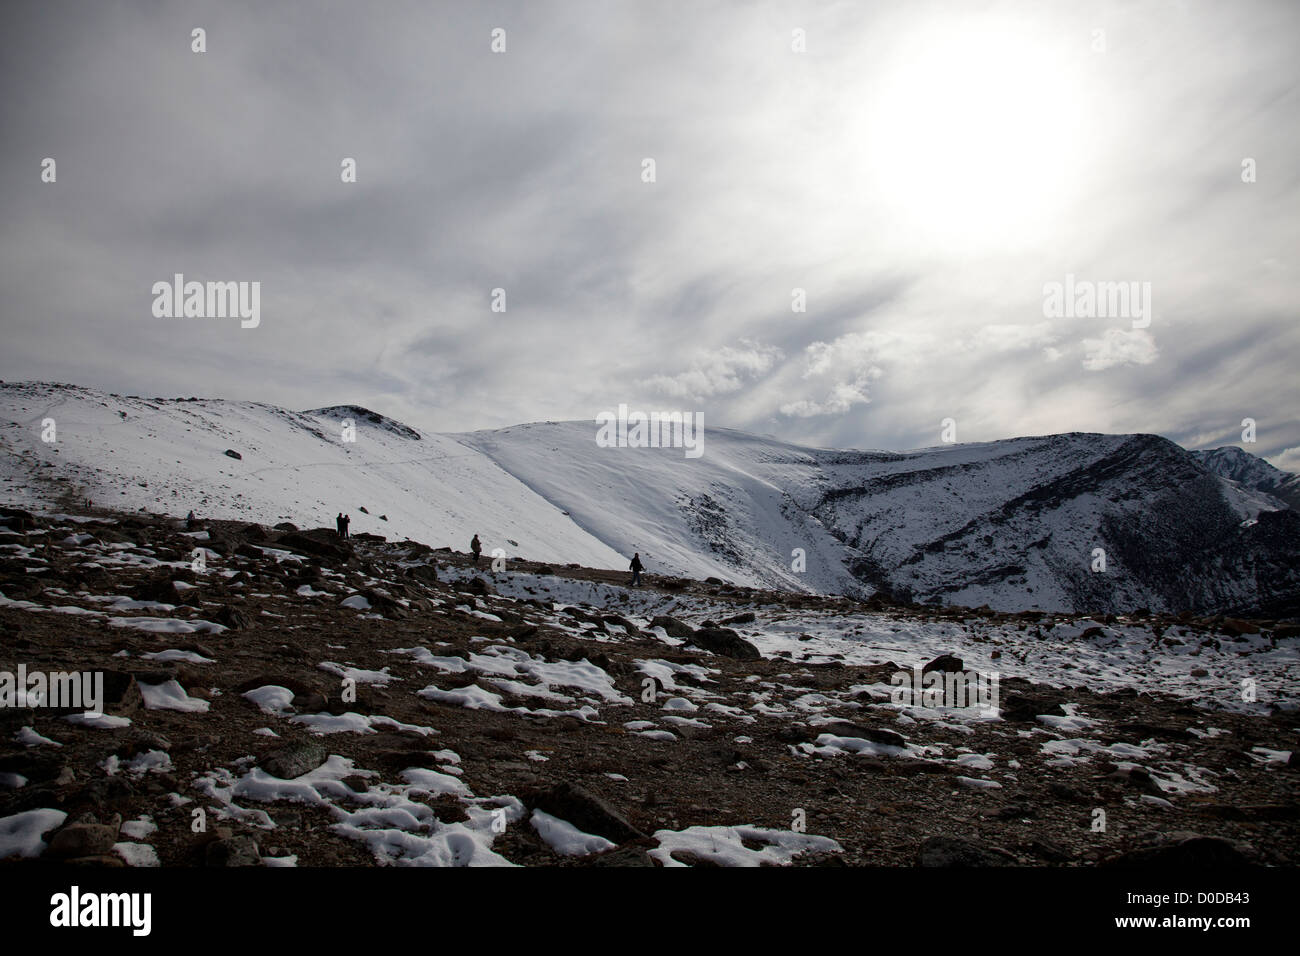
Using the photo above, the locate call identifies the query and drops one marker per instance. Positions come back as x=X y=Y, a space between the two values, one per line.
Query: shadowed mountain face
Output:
x=1174 y=535
x=1072 y=522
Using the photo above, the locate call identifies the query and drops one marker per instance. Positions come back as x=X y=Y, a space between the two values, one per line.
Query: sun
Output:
x=974 y=134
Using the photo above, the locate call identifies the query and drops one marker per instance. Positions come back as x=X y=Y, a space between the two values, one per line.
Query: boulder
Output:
x=82 y=839
x=1183 y=849
x=293 y=759
x=725 y=641
x=672 y=626
x=947 y=663
x=586 y=811
x=953 y=851
x=232 y=851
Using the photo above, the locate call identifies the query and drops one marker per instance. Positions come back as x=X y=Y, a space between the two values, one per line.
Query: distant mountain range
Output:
x=1015 y=524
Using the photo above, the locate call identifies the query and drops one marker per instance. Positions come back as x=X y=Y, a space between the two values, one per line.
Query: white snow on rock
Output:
x=137 y=854
x=21 y=834
x=566 y=839
x=170 y=695
x=724 y=846
x=167 y=625
x=271 y=698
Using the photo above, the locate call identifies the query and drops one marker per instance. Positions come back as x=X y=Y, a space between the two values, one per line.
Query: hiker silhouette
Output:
x=635 y=568
x=347 y=520
x=476 y=549
x=338 y=524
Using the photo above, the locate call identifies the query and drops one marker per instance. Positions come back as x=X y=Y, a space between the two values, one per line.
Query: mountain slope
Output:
x=1014 y=524
x=169 y=455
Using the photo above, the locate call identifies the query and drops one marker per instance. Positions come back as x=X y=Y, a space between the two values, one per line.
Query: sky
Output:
x=856 y=215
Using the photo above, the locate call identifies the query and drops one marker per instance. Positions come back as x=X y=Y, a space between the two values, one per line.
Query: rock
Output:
x=878 y=735
x=122 y=696
x=231 y=453
x=944 y=662
x=286 y=526
x=477 y=585
x=953 y=851
x=1183 y=849
x=1049 y=851
x=1233 y=625
x=622 y=622
x=233 y=851
x=385 y=605
x=318 y=547
x=293 y=759
x=586 y=811
x=713 y=580
x=672 y=626
x=232 y=618
x=428 y=573
x=745 y=618
x=82 y=839
x=18 y=519
x=1025 y=708
x=1065 y=791
x=880 y=673
x=544 y=569
x=106 y=791
x=624 y=856
x=1161 y=731
x=725 y=641
x=310 y=703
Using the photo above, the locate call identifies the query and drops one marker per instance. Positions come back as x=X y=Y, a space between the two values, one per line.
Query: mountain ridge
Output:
x=1013 y=523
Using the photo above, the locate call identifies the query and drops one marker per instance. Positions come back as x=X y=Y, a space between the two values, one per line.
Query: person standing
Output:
x=635 y=568
x=347 y=520
x=338 y=523
x=476 y=549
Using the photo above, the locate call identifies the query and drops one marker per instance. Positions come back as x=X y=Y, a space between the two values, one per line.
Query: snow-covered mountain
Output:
x=1015 y=524
x=1252 y=472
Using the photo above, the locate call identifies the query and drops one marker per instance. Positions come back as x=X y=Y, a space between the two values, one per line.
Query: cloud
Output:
x=522 y=171
x=1287 y=460
x=719 y=372
x=840 y=373
x=1119 y=347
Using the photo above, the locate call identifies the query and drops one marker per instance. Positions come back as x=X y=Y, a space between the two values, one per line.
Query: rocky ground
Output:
x=350 y=703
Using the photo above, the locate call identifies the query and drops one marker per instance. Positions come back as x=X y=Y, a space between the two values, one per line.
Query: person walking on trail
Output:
x=338 y=524
x=635 y=568
x=476 y=549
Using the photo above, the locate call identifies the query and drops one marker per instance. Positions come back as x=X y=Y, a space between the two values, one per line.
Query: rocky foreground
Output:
x=302 y=700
